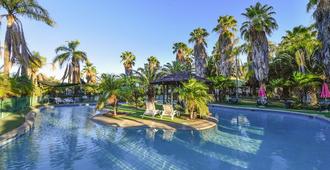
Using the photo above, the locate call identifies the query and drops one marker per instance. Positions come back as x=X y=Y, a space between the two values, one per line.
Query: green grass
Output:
x=136 y=114
x=12 y=121
x=277 y=106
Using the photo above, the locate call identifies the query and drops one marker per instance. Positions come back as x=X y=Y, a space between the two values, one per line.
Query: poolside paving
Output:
x=126 y=122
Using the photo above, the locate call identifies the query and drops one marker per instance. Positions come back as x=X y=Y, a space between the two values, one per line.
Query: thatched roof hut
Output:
x=177 y=78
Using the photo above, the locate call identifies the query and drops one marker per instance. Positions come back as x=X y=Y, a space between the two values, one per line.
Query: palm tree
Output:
x=174 y=67
x=196 y=97
x=259 y=23
x=198 y=37
x=72 y=57
x=128 y=59
x=153 y=63
x=322 y=14
x=146 y=75
x=90 y=72
x=180 y=49
x=226 y=28
x=37 y=63
x=109 y=87
x=16 y=49
x=300 y=44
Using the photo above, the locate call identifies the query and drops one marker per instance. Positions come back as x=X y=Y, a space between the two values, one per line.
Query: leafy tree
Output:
x=128 y=60
x=72 y=57
x=259 y=23
x=16 y=48
x=196 y=97
x=198 y=37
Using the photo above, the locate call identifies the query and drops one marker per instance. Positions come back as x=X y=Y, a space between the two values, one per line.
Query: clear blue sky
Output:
x=106 y=28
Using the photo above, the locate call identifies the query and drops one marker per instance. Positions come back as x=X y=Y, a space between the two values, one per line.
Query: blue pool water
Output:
x=64 y=138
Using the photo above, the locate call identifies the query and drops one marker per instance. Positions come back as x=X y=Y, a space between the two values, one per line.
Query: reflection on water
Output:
x=64 y=138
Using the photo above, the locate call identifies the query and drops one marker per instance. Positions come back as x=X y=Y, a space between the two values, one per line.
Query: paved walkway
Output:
x=126 y=122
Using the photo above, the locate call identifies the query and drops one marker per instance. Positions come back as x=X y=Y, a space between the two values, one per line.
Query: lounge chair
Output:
x=150 y=109
x=168 y=111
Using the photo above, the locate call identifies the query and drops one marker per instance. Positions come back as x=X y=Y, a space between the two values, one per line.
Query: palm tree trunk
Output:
x=6 y=58
x=323 y=25
x=200 y=59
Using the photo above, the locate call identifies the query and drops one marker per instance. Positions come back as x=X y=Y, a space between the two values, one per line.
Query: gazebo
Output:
x=170 y=81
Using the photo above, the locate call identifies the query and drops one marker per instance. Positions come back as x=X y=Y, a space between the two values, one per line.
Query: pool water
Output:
x=64 y=138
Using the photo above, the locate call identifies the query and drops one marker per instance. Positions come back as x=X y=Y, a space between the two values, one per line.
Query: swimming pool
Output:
x=64 y=138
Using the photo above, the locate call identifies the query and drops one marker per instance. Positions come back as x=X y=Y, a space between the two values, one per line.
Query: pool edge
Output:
x=319 y=117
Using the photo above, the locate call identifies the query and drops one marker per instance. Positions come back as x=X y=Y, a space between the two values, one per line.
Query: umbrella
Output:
x=325 y=91
x=262 y=92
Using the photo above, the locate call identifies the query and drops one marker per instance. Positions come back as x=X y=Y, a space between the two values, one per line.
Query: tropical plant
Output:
x=198 y=37
x=322 y=14
x=222 y=84
x=195 y=96
x=146 y=76
x=90 y=73
x=300 y=44
x=37 y=62
x=226 y=28
x=72 y=57
x=303 y=83
x=153 y=63
x=259 y=23
x=174 y=67
x=132 y=91
x=128 y=60
x=16 y=49
x=109 y=87
x=182 y=52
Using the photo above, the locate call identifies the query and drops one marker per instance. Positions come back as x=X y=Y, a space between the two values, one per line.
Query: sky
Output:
x=106 y=28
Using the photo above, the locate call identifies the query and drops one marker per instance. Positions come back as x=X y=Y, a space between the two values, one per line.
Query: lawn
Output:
x=136 y=114
x=277 y=106
x=10 y=122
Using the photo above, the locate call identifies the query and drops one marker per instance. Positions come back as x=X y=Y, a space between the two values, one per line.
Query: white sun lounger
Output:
x=150 y=109
x=168 y=111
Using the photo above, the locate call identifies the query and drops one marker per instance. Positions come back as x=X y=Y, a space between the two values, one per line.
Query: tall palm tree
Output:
x=180 y=49
x=72 y=57
x=226 y=28
x=198 y=37
x=259 y=23
x=16 y=49
x=33 y=69
x=153 y=63
x=90 y=72
x=128 y=59
x=146 y=75
x=322 y=14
